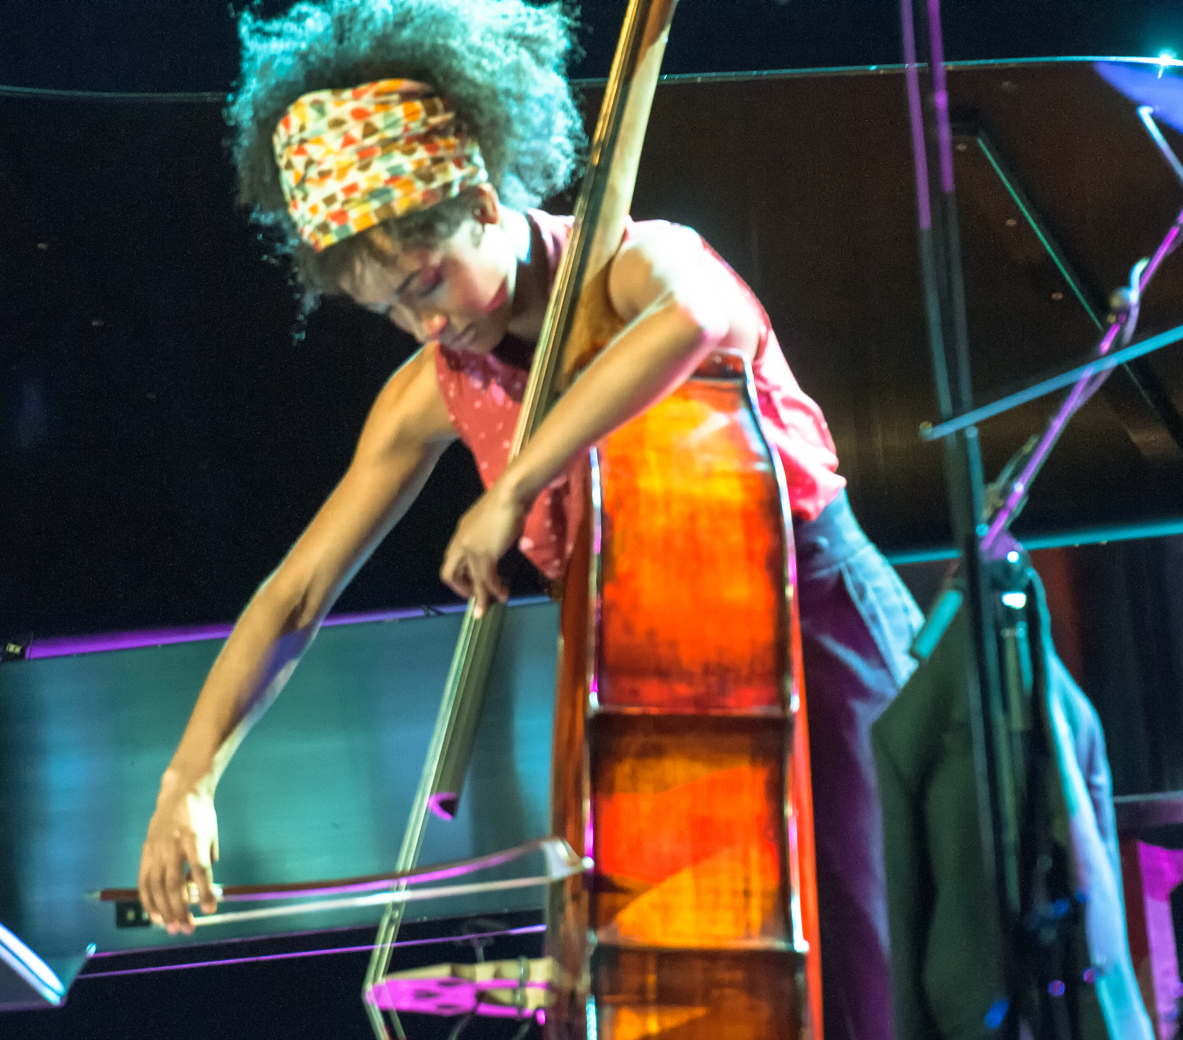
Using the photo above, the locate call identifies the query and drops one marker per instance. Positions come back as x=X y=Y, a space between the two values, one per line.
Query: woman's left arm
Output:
x=679 y=304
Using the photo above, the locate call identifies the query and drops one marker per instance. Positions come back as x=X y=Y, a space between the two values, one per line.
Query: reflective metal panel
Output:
x=320 y=789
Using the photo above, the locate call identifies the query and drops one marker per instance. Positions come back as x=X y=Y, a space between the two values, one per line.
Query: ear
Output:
x=487 y=206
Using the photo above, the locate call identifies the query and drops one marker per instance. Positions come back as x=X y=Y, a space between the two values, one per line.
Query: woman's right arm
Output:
x=406 y=432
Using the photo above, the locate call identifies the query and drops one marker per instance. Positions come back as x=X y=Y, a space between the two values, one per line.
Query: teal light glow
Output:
x=1166 y=528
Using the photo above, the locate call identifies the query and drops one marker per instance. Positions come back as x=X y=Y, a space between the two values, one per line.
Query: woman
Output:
x=393 y=149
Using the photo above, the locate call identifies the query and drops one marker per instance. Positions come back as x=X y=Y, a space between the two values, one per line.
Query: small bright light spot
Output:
x=1165 y=58
x=90 y=950
x=1017 y=600
x=1056 y=988
x=997 y=1013
x=1012 y=556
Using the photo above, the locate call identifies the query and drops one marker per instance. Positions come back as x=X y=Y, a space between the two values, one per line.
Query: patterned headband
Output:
x=349 y=159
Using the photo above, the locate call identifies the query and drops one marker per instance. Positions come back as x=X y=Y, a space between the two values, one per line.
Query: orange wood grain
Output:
x=696 y=995
x=688 y=823
x=693 y=615
x=688 y=782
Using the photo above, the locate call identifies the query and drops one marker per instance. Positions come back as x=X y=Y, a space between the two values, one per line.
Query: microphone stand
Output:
x=1028 y=900
x=1025 y=863
x=1008 y=495
x=1126 y=302
x=940 y=256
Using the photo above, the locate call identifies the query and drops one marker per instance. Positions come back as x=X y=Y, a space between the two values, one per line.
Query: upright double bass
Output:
x=680 y=764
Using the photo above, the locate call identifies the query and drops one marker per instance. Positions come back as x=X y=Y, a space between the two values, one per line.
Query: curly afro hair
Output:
x=500 y=63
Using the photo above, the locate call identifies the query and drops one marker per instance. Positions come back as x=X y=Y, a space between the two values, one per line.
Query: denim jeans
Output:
x=857 y=623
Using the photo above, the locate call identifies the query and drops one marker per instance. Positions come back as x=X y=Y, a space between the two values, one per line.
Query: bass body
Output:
x=681 y=755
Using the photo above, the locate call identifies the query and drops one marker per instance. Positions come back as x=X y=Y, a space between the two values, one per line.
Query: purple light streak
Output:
x=443 y=804
x=1085 y=387
x=134 y=951
x=524 y=930
x=941 y=95
x=419 y=877
x=63 y=646
x=912 y=78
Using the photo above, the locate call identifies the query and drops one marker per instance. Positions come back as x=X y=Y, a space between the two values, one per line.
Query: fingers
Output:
x=487 y=589
x=475 y=578
x=202 y=876
x=482 y=602
x=177 y=916
x=164 y=887
x=495 y=589
x=162 y=892
x=148 y=885
x=455 y=574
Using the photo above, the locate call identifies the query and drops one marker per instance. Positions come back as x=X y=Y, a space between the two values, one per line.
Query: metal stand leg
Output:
x=439 y=783
x=945 y=305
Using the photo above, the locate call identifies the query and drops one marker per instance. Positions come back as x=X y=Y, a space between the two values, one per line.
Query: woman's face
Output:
x=459 y=291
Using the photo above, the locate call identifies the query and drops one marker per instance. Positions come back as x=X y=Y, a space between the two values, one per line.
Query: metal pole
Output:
x=928 y=103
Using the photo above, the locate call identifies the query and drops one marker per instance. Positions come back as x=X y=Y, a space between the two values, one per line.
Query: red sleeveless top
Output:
x=484 y=395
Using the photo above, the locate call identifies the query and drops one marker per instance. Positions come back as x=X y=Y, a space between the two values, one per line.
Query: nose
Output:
x=422 y=327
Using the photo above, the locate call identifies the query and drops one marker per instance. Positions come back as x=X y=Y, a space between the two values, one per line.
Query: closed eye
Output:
x=428 y=284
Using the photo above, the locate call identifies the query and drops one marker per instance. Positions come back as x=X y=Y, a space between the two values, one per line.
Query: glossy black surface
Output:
x=167 y=439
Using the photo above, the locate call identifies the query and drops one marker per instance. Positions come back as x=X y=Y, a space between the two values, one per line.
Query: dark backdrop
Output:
x=176 y=45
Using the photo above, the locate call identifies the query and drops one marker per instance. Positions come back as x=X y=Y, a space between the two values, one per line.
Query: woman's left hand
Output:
x=482 y=537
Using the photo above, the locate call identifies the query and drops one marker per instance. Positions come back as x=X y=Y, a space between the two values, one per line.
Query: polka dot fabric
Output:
x=484 y=398
x=349 y=159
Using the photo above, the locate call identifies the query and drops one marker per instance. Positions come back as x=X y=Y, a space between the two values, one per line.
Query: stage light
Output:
x=997 y=1013
x=1165 y=58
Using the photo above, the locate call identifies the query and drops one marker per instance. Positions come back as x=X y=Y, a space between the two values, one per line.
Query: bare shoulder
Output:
x=661 y=260
x=656 y=258
x=655 y=248
x=410 y=410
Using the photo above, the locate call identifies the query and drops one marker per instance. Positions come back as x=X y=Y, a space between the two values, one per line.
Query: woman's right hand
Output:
x=183 y=833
